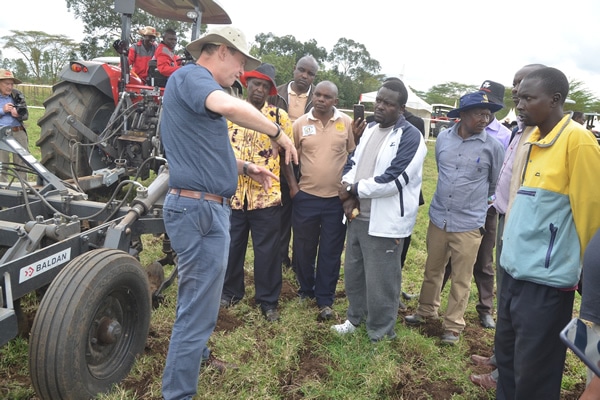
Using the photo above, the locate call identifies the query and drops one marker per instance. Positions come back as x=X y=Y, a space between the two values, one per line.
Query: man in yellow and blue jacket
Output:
x=554 y=215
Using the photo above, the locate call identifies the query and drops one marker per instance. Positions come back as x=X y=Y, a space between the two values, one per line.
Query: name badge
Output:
x=308 y=130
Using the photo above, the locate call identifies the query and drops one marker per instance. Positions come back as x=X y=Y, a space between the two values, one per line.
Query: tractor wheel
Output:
x=90 y=107
x=91 y=324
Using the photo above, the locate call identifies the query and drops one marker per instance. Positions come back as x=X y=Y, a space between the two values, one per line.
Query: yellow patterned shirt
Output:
x=253 y=146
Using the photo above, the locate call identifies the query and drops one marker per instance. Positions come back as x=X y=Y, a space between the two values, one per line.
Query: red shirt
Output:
x=167 y=61
x=138 y=58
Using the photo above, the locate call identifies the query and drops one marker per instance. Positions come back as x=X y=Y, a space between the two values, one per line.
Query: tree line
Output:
x=41 y=57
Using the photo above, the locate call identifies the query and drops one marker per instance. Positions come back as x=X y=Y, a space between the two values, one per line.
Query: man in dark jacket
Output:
x=295 y=97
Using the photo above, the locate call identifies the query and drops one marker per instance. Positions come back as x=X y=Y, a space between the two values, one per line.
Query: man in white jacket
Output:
x=380 y=192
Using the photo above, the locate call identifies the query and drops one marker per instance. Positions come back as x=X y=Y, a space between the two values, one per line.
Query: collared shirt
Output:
x=253 y=146
x=467 y=173
x=296 y=103
x=496 y=130
x=503 y=186
x=6 y=119
x=323 y=152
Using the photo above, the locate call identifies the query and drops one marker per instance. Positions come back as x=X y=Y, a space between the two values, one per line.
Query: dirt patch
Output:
x=227 y=322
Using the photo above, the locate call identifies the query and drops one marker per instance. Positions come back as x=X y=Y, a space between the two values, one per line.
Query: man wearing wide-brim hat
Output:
x=468 y=163
x=13 y=111
x=203 y=176
x=142 y=52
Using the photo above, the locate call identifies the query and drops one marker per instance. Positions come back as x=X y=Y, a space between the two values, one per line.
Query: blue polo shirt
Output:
x=196 y=139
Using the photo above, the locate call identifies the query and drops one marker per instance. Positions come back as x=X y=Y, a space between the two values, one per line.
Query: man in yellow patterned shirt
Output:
x=254 y=209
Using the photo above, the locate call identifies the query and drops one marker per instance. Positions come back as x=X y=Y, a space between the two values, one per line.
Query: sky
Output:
x=424 y=42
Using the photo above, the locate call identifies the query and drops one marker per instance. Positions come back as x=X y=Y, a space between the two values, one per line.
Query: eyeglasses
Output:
x=482 y=115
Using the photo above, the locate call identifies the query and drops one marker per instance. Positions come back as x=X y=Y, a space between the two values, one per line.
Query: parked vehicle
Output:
x=101 y=127
x=439 y=120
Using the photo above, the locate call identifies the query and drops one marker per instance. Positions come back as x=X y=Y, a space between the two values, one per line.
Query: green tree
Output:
x=44 y=55
x=447 y=93
x=352 y=59
x=284 y=51
x=584 y=99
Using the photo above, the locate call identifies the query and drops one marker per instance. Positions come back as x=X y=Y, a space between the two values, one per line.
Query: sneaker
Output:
x=450 y=337
x=325 y=313
x=415 y=319
x=272 y=315
x=346 y=327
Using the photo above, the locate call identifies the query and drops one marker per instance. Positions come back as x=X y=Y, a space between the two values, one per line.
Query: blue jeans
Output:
x=199 y=233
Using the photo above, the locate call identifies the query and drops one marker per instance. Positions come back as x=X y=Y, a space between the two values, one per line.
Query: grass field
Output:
x=300 y=358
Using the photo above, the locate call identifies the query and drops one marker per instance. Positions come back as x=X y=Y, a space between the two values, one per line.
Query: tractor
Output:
x=79 y=253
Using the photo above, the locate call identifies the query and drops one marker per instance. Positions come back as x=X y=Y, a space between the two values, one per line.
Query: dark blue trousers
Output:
x=263 y=224
x=529 y=353
x=318 y=242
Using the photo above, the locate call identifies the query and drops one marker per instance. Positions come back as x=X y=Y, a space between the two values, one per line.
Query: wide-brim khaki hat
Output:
x=229 y=36
x=149 y=31
x=6 y=74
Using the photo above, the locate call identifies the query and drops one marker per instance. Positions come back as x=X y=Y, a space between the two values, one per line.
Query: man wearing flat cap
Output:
x=203 y=176
x=13 y=111
x=468 y=163
x=142 y=52
x=254 y=209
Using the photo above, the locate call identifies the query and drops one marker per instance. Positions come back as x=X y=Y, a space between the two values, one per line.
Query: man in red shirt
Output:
x=142 y=52
x=167 y=61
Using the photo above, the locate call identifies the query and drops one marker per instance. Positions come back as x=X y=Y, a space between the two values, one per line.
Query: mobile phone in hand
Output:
x=584 y=341
x=359 y=112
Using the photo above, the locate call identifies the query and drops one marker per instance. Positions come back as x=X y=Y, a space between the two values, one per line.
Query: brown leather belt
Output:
x=192 y=194
x=17 y=128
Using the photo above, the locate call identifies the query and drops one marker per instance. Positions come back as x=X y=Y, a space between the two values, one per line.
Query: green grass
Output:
x=300 y=358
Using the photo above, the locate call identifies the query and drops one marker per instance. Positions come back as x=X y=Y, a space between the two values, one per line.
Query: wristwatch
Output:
x=349 y=188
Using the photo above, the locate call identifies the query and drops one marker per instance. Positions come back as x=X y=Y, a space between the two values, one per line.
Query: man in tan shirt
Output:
x=323 y=138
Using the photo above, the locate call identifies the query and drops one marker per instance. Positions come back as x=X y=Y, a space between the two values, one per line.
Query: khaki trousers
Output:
x=441 y=245
x=5 y=156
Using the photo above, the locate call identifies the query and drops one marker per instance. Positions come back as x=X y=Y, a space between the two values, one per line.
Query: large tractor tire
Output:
x=91 y=324
x=90 y=107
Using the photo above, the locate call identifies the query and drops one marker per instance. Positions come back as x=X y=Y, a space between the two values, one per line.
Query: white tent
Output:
x=415 y=105
x=511 y=116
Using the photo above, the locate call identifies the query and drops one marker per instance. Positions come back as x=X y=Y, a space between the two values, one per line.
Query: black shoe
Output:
x=402 y=307
x=224 y=303
x=325 y=313
x=407 y=296
x=272 y=315
x=487 y=321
